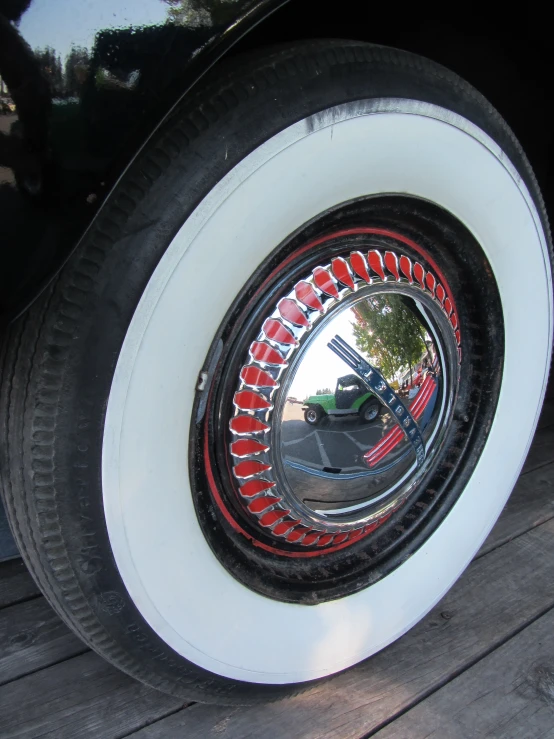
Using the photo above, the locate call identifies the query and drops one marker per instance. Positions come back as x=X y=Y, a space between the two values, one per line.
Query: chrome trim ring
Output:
x=263 y=487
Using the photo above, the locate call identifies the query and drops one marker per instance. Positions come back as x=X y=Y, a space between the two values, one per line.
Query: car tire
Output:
x=313 y=415
x=106 y=424
x=370 y=411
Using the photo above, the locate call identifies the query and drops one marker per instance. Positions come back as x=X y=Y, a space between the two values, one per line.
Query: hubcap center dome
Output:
x=340 y=448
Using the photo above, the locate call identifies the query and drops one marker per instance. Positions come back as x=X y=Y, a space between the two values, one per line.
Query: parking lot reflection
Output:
x=315 y=459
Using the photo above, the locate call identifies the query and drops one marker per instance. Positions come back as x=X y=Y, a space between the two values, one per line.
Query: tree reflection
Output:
x=50 y=64
x=77 y=65
x=389 y=333
x=200 y=12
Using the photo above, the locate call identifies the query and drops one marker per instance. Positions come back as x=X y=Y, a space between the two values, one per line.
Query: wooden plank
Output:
x=16 y=585
x=547 y=414
x=509 y=694
x=32 y=636
x=541 y=451
x=531 y=503
x=8 y=547
x=82 y=697
x=496 y=597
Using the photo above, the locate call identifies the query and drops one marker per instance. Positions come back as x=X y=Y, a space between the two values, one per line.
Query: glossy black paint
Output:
x=71 y=136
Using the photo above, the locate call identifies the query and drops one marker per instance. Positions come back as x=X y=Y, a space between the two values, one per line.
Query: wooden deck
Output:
x=480 y=664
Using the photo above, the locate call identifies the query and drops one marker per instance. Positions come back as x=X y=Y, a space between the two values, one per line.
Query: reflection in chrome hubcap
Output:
x=370 y=413
x=344 y=400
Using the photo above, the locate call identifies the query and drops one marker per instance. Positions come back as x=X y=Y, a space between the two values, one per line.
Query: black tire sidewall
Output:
x=319 y=415
x=371 y=403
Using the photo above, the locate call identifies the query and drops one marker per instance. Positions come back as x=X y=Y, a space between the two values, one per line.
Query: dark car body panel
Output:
x=129 y=62
x=75 y=130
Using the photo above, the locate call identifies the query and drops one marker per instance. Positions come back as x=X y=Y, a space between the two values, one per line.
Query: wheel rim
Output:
x=268 y=497
x=295 y=352
x=311 y=416
x=371 y=414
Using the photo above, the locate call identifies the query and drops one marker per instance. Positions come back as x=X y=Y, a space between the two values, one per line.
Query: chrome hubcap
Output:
x=302 y=493
x=365 y=336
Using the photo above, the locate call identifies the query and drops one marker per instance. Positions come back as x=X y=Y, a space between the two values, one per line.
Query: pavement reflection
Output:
x=316 y=458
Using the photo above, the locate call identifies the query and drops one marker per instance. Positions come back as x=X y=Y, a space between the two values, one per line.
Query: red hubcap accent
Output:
x=307 y=295
x=376 y=263
x=261 y=496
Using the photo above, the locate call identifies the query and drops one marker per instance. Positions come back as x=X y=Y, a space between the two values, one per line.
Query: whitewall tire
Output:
x=183 y=246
